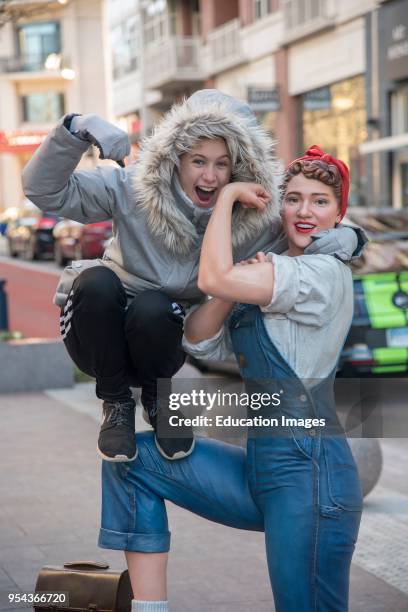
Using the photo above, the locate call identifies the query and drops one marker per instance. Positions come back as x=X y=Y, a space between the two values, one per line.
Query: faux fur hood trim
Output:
x=212 y=115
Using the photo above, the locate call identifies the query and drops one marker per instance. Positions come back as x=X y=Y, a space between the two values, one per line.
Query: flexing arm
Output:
x=217 y=275
x=50 y=182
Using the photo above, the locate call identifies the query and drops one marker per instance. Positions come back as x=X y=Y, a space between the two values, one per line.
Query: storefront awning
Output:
x=20 y=142
x=384 y=144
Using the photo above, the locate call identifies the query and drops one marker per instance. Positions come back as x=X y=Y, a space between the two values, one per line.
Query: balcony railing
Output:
x=31 y=63
x=174 y=59
x=304 y=17
x=121 y=69
x=19 y=4
x=225 y=46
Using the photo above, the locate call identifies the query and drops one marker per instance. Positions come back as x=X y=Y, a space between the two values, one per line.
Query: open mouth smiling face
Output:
x=205 y=195
x=204 y=170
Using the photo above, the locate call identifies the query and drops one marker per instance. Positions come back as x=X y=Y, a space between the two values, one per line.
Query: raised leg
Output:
x=211 y=482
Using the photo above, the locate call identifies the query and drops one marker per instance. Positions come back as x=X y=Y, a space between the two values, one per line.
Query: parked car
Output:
x=378 y=339
x=77 y=241
x=5 y=217
x=377 y=343
x=29 y=234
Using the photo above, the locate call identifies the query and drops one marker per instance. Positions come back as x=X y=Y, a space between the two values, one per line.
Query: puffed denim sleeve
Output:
x=308 y=289
x=217 y=348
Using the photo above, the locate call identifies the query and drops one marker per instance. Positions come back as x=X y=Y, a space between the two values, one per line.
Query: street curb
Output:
x=34 y=364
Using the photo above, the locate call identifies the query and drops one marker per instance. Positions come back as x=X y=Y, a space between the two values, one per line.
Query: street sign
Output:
x=20 y=142
x=264 y=99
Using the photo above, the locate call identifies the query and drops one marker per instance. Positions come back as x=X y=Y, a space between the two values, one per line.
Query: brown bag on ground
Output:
x=88 y=586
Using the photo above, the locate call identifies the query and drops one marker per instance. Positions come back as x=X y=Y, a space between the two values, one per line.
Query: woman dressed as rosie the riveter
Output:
x=122 y=316
x=297 y=484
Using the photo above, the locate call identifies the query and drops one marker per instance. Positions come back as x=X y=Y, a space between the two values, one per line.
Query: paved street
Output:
x=50 y=492
x=30 y=288
x=30 y=294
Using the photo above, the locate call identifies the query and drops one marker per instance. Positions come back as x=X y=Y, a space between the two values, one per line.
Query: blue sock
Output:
x=150 y=606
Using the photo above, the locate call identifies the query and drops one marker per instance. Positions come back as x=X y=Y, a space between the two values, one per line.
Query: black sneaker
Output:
x=169 y=446
x=117 y=436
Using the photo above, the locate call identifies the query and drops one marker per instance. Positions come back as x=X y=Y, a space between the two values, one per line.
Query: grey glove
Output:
x=112 y=142
x=341 y=241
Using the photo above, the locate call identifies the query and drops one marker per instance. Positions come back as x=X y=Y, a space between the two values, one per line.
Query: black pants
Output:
x=121 y=345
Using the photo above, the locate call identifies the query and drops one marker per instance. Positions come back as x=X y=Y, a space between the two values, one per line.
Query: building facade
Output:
x=305 y=66
x=386 y=149
x=314 y=71
x=51 y=62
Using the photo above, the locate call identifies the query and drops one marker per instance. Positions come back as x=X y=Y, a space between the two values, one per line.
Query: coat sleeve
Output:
x=50 y=182
x=272 y=238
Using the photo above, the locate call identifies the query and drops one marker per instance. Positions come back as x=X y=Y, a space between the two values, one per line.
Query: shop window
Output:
x=44 y=107
x=36 y=41
x=268 y=121
x=399 y=111
x=334 y=117
x=160 y=21
x=124 y=45
x=265 y=103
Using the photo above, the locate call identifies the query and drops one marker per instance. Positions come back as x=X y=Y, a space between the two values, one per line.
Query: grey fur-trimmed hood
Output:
x=206 y=114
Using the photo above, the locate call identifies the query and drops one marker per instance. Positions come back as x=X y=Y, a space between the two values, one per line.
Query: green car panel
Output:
x=378 y=339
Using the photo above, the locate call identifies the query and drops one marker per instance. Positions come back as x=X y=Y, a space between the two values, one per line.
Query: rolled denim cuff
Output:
x=134 y=542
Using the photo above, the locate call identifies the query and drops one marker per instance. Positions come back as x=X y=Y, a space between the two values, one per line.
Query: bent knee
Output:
x=149 y=311
x=99 y=285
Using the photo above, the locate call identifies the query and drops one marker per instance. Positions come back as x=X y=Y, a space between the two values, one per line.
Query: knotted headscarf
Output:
x=315 y=153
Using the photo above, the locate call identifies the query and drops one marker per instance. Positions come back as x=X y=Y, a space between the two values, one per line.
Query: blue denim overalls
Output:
x=301 y=488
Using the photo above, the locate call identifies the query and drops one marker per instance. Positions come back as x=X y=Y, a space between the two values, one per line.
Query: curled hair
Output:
x=314 y=169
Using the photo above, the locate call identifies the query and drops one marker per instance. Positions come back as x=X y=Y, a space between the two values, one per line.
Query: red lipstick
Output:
x=305 y=228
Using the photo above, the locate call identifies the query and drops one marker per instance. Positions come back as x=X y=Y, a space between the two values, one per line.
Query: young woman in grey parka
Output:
x=122 y=316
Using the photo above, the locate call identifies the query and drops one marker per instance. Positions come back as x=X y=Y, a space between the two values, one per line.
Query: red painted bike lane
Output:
x=30 y=293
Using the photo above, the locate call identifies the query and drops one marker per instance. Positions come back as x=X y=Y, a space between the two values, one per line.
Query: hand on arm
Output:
x=250 y=284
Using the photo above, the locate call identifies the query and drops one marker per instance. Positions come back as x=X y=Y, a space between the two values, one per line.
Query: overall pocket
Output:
x=340 y=483
x=304 y=440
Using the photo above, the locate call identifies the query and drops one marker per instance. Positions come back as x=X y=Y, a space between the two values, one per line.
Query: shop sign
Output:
x=318 y=99
x=21 y=142
x=394 y=36
x=263 y=99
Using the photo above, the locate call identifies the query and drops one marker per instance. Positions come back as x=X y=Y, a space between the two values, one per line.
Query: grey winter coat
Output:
x=157 y=231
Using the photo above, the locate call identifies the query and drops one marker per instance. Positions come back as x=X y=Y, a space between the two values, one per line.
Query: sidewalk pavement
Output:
x=49 y=513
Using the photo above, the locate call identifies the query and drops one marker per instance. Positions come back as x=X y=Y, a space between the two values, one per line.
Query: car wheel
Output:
x=12 y=252
x=78 y=251
x=59 y=257
x=30 y=252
